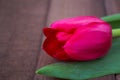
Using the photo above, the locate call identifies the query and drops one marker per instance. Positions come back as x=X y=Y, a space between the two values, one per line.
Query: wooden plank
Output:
x=113 y=7
x=108 y=77
x=118 y=77
x=20 y=37
x=63 y=9
x=69 y=8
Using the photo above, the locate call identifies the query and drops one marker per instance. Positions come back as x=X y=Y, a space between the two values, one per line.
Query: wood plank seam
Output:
x=104 y=5
x=39 y=50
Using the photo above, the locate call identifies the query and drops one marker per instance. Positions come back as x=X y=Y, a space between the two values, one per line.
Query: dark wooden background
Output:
x=21 y=23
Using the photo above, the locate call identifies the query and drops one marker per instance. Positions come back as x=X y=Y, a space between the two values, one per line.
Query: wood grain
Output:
x=20 y=37
x=69 y=8
x=113 y=7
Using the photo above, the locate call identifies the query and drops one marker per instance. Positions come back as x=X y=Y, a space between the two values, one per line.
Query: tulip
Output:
x=81 y=39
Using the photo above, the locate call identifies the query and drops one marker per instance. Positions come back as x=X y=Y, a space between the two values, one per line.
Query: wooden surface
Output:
x=21 y=23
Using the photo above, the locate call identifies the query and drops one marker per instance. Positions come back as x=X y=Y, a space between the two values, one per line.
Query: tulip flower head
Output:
x=80 y=38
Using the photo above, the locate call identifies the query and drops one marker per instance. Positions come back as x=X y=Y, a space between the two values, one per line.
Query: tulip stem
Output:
x=115 y=33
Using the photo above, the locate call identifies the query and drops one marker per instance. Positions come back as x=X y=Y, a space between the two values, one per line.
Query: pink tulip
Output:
x=81 y=38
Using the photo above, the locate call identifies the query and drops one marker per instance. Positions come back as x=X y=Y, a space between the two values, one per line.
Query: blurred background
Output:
x=21 y=23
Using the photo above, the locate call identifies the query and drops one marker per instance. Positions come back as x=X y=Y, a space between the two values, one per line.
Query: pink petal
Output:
x=73 y=23
x=62 y=36
x=53 y=47
x=88 y=45
x=48 y=32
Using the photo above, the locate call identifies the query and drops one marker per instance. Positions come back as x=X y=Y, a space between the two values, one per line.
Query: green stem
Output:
x=116 y=32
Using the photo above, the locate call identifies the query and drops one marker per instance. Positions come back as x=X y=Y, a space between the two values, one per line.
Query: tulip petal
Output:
x=73 y=23
x=80 y=38
x=61 y=55
x=53 y=47
x=88 y=46
x=50 y=45
x=62 y=36
x=101 y=26
x=48 y=32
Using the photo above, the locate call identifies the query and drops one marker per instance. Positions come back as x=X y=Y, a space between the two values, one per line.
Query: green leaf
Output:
x=114 y=20
x=86 y=70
